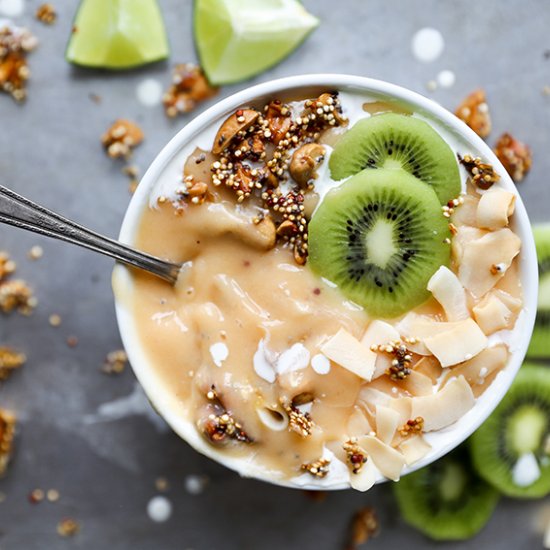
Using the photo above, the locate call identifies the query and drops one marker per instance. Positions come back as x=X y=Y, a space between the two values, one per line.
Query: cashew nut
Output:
x=237 y=122
x=304 y=163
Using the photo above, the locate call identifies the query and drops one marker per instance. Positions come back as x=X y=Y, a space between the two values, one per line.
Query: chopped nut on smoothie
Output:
x=189 y=87
x=305 y=162
x=45 y=13
x=7 y=432
x=515 y=156
x=10 y=360
x=123 y=136
x=474 y=111
x=15 y=44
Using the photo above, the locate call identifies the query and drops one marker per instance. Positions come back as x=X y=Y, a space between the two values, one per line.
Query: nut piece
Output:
x=474 y=111
x=7 y=431
x=279 y=121
x=305 y=162
x=9 y=361
x=266 y=233
x=483 y=174
x=15 y=43
x=189 y=87
x=238 y=122
x=115 y=362
x=16 y=295
x=45 y=13
x=515 y=156
x=121 y=138
x=68 y=527
x=7 y=266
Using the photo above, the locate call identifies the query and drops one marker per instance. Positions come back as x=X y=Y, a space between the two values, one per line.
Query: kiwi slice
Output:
x=398 y=141
x=446 y=500
x=540 y=341
x=380 y=237
x=510 y=450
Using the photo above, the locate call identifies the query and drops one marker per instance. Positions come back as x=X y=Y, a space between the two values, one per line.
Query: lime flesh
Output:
x=237 y=39
x=117 y=34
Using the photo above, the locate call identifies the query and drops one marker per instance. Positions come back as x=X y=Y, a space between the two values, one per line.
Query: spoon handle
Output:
x=20 y=212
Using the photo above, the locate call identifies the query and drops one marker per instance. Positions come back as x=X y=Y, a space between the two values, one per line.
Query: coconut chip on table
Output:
x=15 y=44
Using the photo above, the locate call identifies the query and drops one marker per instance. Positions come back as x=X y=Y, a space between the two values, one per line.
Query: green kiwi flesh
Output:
x=446 y=500
x=518 y=428
x=540 y=341
x=380 y=236
x=392 y=140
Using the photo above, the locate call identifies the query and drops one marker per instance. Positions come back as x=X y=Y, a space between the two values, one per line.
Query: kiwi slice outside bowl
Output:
x=446 y=500
x=392 y=140
x=519 y=428
x=540 y=341
x=380 y=236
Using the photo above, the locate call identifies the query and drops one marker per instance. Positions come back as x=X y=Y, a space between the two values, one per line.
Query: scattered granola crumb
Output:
x=132 y=172
x=52 y=495
x=15 y=44
x=319 y=468
x=7 y=431
x=515 y=156
x=45 y=13
x=95 y=98
x=68 y=527
x=9 y=361
x=483 y=174
x=7 y=266
x=546 y=90
x=35 y=253
x=161 y=484
x=189 y=87
x=121 y=138
x=115 y=362
x=431 y=85
x=364 y=525
x=72 y=341
x=474 y=111
x=36 y=496
x=16 y=295
x=298 y=421
x=54 y=320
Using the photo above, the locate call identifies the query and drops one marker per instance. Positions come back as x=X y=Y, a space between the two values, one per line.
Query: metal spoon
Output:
x=20 y=212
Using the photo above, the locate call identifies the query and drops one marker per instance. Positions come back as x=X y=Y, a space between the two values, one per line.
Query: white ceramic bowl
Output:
x=167 y=405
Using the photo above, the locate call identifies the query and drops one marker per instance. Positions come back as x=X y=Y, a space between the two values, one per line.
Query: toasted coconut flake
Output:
x=416 y=383
x=446 y=406
x=462 y=342
x=389 y=461
x=377 y=334
x=414 y=449
x=358 y=423
x=429 y=366
x=366 y=477
x=447 y=290
x=348 y=352
x=387 y=420
x=495 y=209
x=476 y=370
x=491 y=314
x=485 y=260
x=9 y=361
x=402 y=406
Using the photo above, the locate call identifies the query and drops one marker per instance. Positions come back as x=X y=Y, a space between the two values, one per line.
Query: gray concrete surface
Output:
x=49 y=151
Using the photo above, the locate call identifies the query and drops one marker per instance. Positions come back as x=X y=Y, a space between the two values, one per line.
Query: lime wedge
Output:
x=237 y=39
x=117 y=34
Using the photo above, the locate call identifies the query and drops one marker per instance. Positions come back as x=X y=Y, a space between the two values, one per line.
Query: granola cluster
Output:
x=10 y=360
x=45 y=13
x=15 y=294
x=123 y=136
x=515 y=156
x=7 y=432
x=318 y=468
x=414 y=426
x=482 y=173
x=474 y=111
x=189 y=87
x=355 y=455
x=15 y=44
x=115 y=362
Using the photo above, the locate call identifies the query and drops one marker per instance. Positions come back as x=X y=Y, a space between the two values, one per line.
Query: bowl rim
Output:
x=143 y=370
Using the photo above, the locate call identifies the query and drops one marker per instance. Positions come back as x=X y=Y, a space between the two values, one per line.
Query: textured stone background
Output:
x=49 y=151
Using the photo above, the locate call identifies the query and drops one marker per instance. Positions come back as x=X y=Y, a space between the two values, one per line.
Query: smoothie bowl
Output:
x=359 y=285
